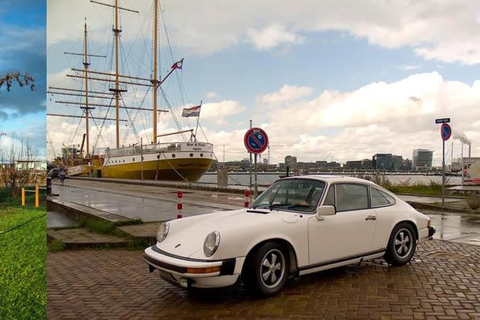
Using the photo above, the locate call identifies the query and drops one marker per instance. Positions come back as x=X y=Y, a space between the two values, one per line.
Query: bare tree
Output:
x=22 y=80
x=17 y=165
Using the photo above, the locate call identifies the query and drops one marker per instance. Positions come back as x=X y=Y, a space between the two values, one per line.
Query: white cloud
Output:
x=379 y=117
x=446 y=31
x=211 y=95
x=220 y=111
x=286 y=94
x=410 y=67
x=272 y=37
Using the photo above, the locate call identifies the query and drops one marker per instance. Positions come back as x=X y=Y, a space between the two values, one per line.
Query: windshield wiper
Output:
x=277 y=205
x=300 y=206
x=272 y=206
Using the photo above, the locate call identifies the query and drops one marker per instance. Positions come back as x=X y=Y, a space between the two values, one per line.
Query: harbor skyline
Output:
x=324 y=87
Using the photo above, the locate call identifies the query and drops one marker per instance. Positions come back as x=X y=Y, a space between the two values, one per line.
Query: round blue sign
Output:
x=256 y=140
x=445 y=131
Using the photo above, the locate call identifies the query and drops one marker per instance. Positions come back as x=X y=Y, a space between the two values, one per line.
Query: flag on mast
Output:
x=191 y=112
x=177 y=65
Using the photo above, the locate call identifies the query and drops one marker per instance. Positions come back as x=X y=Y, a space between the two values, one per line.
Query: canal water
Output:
x=267 y=178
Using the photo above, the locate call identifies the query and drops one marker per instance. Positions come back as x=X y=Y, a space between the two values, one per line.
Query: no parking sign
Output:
x=256 y=140
x=445 y=131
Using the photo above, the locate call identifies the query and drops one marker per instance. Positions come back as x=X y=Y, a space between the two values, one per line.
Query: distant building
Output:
x=366 y=164
x=397 y=162
x=321 y=165
x=352 y=165
x=291 y=162
x=382 y=161
x=406 y=165
x=333 y=165
x=422 y=159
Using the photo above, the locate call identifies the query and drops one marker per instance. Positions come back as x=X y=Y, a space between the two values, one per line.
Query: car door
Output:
x=346 y=234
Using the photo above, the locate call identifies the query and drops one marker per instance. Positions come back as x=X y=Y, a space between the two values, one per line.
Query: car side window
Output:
x=380 y=198
x=330 y=198
x=351 y=197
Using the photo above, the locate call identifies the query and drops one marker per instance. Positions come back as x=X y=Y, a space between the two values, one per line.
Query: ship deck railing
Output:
x=151 y=148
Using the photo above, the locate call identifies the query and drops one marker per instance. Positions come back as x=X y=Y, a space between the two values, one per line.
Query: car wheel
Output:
x=266 y=271
x=401 y=245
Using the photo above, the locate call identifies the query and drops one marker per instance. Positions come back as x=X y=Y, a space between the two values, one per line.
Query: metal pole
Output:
x=141 y=157
x=443 y=174
x=256 y=184
x=198 y=120
x=462 y=164
x=117 y=70
x=155 y=76
x=250 y=168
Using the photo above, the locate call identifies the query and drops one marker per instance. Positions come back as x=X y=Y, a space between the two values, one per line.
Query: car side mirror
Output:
x=325 y=211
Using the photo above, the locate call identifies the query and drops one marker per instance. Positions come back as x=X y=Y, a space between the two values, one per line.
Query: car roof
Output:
x=333 y=179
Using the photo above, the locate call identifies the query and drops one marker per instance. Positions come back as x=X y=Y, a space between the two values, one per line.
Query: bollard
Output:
x=179 y=204
x=23 y=196
x=246 y=204
x=49 y=186
x=37 y=200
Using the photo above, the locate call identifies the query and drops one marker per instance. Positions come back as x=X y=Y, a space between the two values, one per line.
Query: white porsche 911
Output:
x=299 y=225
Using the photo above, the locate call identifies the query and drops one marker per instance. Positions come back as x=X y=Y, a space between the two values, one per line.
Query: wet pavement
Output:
x=441 y=282
x=58 y=220
x=153 y=203
x=427 y=200
x=463 y=228
x=137 y=202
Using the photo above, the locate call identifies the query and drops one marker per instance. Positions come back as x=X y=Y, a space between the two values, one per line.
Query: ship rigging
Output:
x=185 y=160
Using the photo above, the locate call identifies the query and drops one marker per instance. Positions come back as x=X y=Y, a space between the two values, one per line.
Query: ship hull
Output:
x=172 y=169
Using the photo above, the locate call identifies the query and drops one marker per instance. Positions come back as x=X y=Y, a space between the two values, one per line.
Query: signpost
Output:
x=445 y=133
x=256 y=142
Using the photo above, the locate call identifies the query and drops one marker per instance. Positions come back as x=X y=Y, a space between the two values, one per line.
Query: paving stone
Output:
x=116 y=284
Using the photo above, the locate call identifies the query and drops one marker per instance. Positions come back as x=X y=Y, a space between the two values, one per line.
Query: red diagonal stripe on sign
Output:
x=256 y=140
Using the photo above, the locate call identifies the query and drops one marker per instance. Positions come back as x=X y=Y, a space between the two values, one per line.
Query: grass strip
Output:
x=23 y=263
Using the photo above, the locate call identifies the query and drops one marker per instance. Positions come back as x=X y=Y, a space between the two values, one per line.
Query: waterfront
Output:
x=267 y=178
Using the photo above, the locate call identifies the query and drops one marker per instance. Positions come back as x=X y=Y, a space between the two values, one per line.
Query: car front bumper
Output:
x=426 y=234
x=431 y=231
x=189 y=272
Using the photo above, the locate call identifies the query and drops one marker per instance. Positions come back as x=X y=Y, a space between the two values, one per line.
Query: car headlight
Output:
x=211 y=243
x=163 y=231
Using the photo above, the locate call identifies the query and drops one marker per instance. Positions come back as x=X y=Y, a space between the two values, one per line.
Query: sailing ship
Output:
x=185 y=160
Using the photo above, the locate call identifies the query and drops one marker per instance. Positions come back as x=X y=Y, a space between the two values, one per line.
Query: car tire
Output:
x=401 y=245
x=266 y=270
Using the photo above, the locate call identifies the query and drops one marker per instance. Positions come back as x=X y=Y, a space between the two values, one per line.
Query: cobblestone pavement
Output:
x=442 y=282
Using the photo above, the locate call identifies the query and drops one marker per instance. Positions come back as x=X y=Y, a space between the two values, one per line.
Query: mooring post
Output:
x=179 y=204
x=246 y=204
x=37 y=197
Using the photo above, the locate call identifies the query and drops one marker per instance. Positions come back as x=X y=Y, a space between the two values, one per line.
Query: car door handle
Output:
x=371 y=218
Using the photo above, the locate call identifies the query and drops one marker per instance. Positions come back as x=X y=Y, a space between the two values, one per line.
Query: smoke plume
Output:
x=462 y=137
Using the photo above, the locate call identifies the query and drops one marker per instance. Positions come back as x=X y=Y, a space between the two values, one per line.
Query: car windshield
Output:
x=291 y=194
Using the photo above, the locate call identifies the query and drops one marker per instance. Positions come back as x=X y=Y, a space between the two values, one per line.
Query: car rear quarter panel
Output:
x=389 y=217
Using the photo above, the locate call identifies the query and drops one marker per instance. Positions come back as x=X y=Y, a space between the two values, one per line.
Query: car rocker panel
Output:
x=297 y=226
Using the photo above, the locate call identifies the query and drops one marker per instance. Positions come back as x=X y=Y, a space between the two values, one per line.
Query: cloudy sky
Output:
x=22 y=43
x=328 y=80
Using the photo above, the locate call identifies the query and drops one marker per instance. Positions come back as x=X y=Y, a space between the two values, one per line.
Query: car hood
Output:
x=186 y=236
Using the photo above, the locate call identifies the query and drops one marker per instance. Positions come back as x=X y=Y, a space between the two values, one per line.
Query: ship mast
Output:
x=155 y=79
x=85 y=67
x=117 y=31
